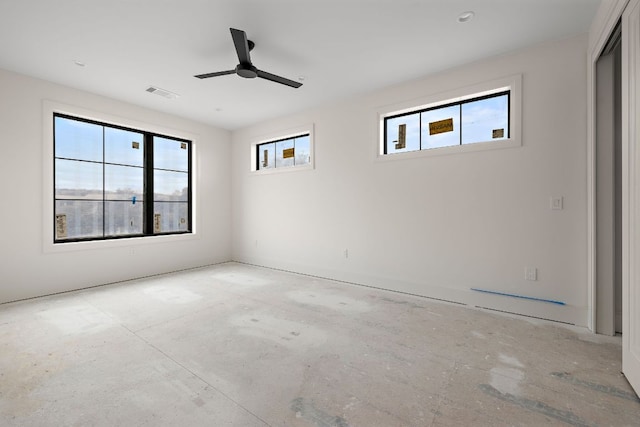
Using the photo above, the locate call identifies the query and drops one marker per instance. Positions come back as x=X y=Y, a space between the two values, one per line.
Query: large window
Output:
x=113 y=182
x=467 y=121
x=282 y=153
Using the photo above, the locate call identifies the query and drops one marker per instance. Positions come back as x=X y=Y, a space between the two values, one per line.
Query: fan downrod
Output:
x=248 y=71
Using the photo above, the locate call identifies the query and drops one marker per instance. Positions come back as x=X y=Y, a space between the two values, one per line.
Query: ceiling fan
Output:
x=245 y=68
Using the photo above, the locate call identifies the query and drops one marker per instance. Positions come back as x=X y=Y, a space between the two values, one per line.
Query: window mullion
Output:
x=189 y=195
x=419 y=130
x=460 y=122
x=104 y=185
x=509 y=114
x=148 y=184
x=258 y=157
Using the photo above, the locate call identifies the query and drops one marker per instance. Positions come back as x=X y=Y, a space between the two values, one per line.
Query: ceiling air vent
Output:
x=162 y=92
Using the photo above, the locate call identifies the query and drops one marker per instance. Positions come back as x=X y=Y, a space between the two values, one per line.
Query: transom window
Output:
x=468 y=121
x=282 y=153
x=113 y=182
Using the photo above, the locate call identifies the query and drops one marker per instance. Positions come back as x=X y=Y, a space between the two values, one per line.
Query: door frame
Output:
x=631 y=194
x=629 y=12
x=597 y=41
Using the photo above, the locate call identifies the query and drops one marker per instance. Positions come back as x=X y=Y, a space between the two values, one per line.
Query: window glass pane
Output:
x=411 y=125
x=77 y=219
x=170 y=217
x=285 y=153
x=121 y=218
x=170 y=186
x=303 y=150
x=78 y=180
x=123 y=147
x=170 y=154
x=123 y=183
x=77 y=140
x=485 y=120
x=266 y=156
x=441 y=127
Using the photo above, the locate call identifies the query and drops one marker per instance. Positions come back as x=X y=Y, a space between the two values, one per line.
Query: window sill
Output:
x=130 y=242
x=455 y=149
x=283 y=170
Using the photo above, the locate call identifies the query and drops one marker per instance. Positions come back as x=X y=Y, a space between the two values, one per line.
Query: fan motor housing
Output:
x=247 y=71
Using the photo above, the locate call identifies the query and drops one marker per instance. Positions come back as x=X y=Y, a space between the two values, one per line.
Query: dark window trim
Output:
x=445 y=105
x=148 y=200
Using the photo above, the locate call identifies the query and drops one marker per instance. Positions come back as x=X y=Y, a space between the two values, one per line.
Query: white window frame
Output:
x=278 y=136
x=49 y=108
x=511 y=83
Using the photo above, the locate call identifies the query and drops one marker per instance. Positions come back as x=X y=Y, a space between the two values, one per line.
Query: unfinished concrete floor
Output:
x=236 y=345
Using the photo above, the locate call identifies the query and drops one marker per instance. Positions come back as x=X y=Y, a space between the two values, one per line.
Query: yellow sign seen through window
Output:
x=441 y=126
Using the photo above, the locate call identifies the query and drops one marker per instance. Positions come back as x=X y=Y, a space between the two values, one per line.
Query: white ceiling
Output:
x=341 y=47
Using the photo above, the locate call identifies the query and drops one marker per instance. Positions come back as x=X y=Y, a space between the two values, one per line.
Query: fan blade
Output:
x=216 y=74
x=278 y=79
x=242 y=45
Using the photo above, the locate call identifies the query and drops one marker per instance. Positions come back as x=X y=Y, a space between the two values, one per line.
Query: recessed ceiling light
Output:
x=466 y=16
x=79 y=63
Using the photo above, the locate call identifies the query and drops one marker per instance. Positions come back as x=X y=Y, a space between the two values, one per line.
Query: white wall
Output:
x=434 y=226
x=26 y=268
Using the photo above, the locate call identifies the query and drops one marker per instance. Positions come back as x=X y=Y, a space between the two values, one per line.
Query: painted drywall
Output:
x=434 y=226
x=27 y=269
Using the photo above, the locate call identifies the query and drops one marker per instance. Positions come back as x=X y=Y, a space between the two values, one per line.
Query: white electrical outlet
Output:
x=556 y=203
x=531 y=273
x=346 y=253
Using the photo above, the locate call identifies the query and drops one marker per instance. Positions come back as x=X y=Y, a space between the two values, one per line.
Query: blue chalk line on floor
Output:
x=519 y=296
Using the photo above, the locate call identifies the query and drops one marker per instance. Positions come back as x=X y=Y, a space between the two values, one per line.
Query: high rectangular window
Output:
x=283 y=153
x=113 y=182
x=469 y=120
